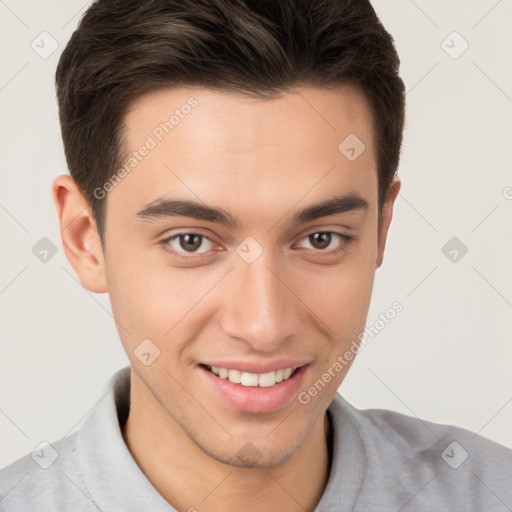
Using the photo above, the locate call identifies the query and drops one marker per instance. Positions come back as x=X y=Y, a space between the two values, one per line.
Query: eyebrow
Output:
x=162 y=208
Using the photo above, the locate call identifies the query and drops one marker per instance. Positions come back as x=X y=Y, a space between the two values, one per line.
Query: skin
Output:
x=260 y=160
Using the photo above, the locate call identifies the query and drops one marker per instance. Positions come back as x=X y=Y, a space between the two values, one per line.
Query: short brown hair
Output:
x=123 y=49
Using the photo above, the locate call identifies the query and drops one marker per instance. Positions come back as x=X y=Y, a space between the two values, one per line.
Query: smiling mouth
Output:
x=263 y=380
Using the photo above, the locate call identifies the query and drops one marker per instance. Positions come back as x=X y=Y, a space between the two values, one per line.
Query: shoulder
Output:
x=67 y=473
x=416 y=437
x=47 y=480
x=430 y=464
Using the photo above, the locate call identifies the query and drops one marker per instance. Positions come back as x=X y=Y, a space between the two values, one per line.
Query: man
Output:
x=233 y=175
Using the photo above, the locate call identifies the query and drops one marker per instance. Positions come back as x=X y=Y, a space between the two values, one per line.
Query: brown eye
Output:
x=187 y=243
x=320 y=240
x=190 y=242
x=327 y=242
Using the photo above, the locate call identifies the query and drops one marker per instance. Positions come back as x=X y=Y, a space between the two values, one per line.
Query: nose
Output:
x=260 y=306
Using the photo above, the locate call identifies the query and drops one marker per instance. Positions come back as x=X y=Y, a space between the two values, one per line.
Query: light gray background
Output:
x=446 y=357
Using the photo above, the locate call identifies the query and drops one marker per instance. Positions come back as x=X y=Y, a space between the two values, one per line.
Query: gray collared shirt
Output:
x=381 y=461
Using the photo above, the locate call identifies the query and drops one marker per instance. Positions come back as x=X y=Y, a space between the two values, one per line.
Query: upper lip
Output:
x=257 y=366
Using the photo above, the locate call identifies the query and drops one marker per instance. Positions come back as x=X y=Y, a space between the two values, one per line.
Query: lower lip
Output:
x=256 y=399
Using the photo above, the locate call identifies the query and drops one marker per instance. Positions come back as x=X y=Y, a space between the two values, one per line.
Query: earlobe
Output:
x=385 y=221
x=79 y=235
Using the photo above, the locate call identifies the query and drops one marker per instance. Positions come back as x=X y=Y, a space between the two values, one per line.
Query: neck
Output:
x=189 y=479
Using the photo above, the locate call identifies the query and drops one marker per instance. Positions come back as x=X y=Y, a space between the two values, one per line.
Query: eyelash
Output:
x=346 y=240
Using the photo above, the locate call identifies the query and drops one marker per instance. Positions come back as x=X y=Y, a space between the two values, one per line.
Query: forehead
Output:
x=227 y=147
x=234 y=121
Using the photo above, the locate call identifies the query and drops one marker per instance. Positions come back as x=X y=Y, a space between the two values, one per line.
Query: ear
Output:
x=385 y=220
x=79 y=234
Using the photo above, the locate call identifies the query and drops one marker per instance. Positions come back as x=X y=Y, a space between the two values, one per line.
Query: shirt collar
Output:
x=117 y=483
x=111 y=473
x=349 y=458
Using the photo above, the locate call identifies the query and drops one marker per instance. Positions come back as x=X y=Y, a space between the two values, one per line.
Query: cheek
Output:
x=344 y=303
x=341 y=295
x=142 y=299
x=152 y=300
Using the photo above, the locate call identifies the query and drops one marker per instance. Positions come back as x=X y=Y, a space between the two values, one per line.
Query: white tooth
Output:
x=287 y=373
x=235 y=376
x=223 y=373
x=215 y=369
x=279 y=375
x=249 y=379
x=267 y=379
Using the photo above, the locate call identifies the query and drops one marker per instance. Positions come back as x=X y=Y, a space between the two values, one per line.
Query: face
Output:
x=215 y=308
